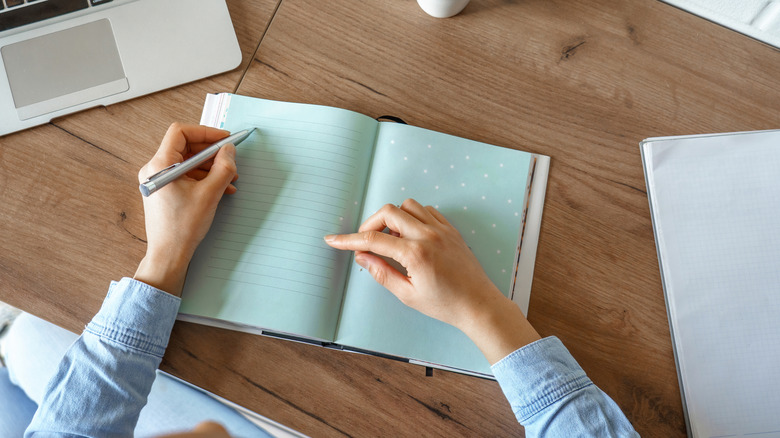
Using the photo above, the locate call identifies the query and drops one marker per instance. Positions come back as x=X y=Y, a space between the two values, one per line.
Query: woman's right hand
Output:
x=443 y=278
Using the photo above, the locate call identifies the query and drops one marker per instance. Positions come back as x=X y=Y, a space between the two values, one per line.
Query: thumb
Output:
x=223 y=171
x=385 y=275
x=211 y=429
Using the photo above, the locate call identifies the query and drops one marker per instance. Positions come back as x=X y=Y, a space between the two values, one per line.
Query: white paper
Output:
x=715 y=202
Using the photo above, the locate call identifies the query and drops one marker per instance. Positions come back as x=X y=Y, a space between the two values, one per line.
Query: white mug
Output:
x=442 y=8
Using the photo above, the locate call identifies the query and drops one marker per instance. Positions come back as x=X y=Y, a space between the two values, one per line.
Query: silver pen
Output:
x=174 y=171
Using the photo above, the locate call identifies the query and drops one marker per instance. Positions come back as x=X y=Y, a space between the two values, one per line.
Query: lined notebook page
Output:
x=301 y=176
x=716 y=209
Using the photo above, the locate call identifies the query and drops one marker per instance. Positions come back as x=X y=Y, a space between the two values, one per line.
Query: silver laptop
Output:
x=62 y=56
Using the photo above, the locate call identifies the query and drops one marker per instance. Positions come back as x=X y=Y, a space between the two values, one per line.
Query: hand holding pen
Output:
x=178 y=169
x=178 y=217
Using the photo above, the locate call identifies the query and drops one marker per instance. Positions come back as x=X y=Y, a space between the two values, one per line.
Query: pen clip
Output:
x=162 y=171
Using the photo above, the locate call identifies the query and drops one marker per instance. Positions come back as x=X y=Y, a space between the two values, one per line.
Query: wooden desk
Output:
x=580 y=82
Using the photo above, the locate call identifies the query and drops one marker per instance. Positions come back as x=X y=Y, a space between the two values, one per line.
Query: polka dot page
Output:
x=481 y=189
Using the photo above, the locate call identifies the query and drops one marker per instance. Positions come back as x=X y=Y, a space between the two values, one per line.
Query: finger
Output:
x=373 y=241
x=197 y=174
x=437 y=214
x=393 y=218
x=223 y=172
x=179 y=135
x=384 y=274
x=199 y=134
x=416 y=209
x=174 y=146
x=194 y=148
x=206 y=165
x=211 y=429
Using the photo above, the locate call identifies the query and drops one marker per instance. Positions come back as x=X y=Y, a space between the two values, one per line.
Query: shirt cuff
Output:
x=136 y=315
x=537 y=375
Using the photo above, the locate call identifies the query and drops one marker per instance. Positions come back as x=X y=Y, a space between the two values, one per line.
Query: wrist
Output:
x=162 y=271
x=498 y=327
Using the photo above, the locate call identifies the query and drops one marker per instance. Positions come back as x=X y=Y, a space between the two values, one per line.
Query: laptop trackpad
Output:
x=64 y=68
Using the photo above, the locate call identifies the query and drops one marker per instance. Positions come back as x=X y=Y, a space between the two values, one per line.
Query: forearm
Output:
x=552 y=397
x=497 y=326
x=104 y=379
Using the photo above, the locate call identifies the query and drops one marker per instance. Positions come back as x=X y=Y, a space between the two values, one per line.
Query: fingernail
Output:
x=330 y=237
x=362 y=260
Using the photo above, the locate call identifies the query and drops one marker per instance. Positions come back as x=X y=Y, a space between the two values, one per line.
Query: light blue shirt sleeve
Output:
x=112 y=364
x=552 y=397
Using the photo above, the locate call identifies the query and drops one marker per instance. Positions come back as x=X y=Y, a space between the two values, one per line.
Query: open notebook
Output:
x=715 y=204
x=311 y=170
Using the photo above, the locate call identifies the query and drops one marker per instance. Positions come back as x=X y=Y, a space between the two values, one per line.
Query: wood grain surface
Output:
x=582 y=82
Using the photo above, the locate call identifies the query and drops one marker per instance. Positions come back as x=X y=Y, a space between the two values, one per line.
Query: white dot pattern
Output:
x=476 y=187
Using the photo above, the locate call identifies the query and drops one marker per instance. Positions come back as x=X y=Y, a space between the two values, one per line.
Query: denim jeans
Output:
x=33 y=348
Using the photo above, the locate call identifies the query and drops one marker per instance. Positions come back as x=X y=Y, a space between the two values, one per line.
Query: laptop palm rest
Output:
x=64 y=69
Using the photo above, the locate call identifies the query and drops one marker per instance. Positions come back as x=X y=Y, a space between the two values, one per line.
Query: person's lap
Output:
x=33 y=348
x=16 y=409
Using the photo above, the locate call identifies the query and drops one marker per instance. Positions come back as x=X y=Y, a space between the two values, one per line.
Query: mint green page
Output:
x=301 y=176
x=481 y=190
